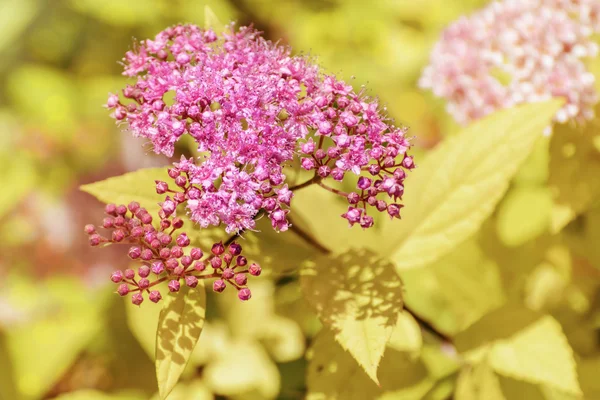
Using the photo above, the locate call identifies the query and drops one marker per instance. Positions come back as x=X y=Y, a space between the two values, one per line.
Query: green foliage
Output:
x=179 y=327
x=456 y=188
x=56 y=324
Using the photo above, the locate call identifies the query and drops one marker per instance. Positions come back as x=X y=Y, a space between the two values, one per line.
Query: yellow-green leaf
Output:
x=243 y=368
x=332 y=374
x=539 y=354
x=406 y=335
x=524 y=214
x=138 y=186
x=18 y=179
x=89 y=394
x=59 y=319
x=456 y=290
x=211 y=20
x=457 y=187
x=195 y=390
x=358 y=296
x=179 y=327
x=478 y=382
x=574 y=170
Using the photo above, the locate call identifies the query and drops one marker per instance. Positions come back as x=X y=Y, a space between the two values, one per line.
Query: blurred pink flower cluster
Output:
x=251 y=107
x=517 y=51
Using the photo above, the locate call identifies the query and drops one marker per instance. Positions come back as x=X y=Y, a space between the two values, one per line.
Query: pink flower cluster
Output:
x=517 y=51
x=167 y=256
x=252 y=107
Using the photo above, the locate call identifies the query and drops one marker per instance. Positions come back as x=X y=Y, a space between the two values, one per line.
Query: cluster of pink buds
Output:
x=252 y=107
x=166 y=255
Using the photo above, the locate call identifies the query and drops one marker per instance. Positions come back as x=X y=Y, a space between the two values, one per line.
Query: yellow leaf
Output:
x=456 y=290
x=540 y=354
x=358 y=296
x=332 y=374
x=211 y=20
x=195 y=390
x=574 y=170
x=179 y=327
x=243 y=368
x=138 y=186
x=456 y=188
x=524 y=214
x=478 y=382
x=406 y=335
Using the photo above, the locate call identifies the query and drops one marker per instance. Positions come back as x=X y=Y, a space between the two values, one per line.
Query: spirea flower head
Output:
x=517 y=51
x=165 y=255
x=252 y=107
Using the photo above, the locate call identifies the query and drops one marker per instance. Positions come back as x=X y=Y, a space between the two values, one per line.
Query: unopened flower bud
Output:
x=183 y=240
x=219 y=285
x=227 y=273
x=244 y=294
x=353 y=198
x=254 y=269
x=168 y=206
x=134 y=252
x=116 y=276
x=121 y=209
x=216 y=262
x=147 y=255
x=133 y=206
x=394 y=210
x=89 y=229
x=174 y=286
x=118 y=235
x=123 y=289
x=158 y=267
x=199 y=266
x=363 y=183
x=137 y=298
x=186 y=261
x=155 y=296
x=173 y=173
x=137 y=232
x=191 y=281
x=119 y=221
x=146 y=218
x=144 y=283
x=144 y=271
x=181 y=181
x=196 y=253
x=241 y=279
x=241 y=261
x=95 y=239
x=408 y=162
x=111 y=209
x=218 y=249
x=179 y=270
x=177 y=223
x=161 y=187
x=164 y=223
x=108 y=222
x=171 y=264
x=176 y=251
x=164 y=253
x=227 y=258
x=366 y=221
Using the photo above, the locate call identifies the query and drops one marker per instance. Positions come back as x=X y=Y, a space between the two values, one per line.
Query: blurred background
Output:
x=64 y=333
